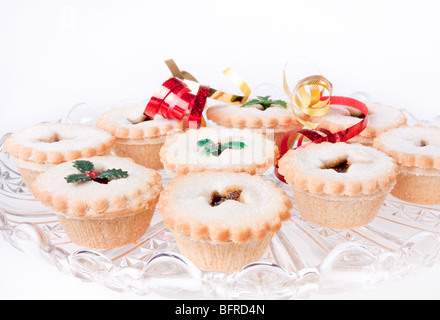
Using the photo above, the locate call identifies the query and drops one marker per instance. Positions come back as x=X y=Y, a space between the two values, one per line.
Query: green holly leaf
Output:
x=74 y=178
x=265 y=102
x=113 y=174
x=251 y=102
x=204 y=142
x=280 y=103
x=215 y=149
x=87 y=174
x=83 y=166
x=233 y=145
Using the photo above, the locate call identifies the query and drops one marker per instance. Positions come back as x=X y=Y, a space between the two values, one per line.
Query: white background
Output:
x=55 y=54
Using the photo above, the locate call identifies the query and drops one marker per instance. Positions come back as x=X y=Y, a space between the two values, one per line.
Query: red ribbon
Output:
x=323 y=135
x=173 y=99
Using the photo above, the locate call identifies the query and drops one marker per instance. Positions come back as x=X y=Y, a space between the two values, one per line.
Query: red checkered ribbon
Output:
x=173 y=99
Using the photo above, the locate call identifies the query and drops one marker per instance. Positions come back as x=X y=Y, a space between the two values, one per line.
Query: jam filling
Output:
x=360 y=116
x=52 y=139
x=356 y=113
x=422 y=143
x=143 y=119
x=217 y=198
x=101 y=181
x=340 y=166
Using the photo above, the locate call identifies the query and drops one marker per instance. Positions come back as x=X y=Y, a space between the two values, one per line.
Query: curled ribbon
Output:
x=238 y=81
x=215 y=94
x=175 y=96
x=307 y=97
x=323 y=135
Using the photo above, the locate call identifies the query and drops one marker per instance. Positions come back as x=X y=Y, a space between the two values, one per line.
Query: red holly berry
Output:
x=92 y=174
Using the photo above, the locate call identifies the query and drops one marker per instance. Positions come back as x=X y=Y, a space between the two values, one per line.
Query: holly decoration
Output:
x=265 y=102
x=210 y=148
x=87 y=173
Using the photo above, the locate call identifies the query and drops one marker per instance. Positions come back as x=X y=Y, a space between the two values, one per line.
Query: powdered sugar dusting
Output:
x=184 y=148
x=254 y=110
x=139 y=178
x=133 y=117
x=61 y=137
x=365 y=163
x=192 y=195
x=379 y=115
x=417 y=140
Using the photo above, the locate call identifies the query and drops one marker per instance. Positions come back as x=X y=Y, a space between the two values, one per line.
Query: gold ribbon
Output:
x=218 y=95
x=306 y=98
x=239 y=82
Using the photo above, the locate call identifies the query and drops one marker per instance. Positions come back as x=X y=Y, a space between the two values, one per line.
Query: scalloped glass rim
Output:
x=302 y=258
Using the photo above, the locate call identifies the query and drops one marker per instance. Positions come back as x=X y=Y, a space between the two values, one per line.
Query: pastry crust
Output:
x=339 y=212
x=380 y=119
x=180 y=153
x=108 y=233
x=252 y=116
x=309 y=168
x=140 y=190
x=225 y=256
x=54 y=143
x=127 y=123
x=421 y=186
x=261 y=209
x=412 y=146
x=144 y=152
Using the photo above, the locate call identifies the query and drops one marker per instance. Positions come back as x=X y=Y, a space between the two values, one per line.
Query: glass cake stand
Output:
x=302 y=258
